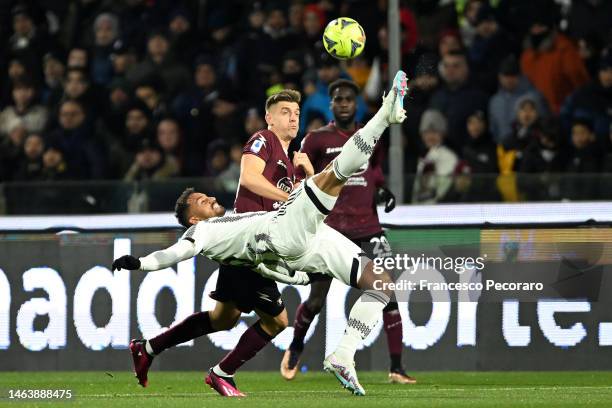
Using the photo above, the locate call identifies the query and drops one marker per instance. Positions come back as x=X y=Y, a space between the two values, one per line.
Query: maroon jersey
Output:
x=354 y=214
x=278 y=171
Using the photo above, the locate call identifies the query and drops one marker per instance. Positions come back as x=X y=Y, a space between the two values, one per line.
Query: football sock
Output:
x=192 y=327
x=393 y=328
x=364 y=315
x=251 y=341
x=357 y=150
x=303 y=318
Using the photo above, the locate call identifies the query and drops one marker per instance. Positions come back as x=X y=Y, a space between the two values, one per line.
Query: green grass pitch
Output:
x=314 y=389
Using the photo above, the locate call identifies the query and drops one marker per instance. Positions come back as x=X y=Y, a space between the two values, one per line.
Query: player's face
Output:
x=283 y=119
x=344 y=104
x=203 y=207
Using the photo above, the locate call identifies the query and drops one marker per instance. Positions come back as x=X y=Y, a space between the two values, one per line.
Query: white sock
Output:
x=149 y=349
x=365 y=313
x=217 y=370
x=359 y=148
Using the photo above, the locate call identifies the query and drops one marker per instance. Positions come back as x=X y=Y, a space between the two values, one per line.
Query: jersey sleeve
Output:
x=199 y=235
x=259 y=146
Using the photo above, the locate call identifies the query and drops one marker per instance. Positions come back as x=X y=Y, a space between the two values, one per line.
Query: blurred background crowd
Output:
x=155 y=89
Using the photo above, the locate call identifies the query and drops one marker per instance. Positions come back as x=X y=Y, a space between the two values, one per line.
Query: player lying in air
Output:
x=289 y=244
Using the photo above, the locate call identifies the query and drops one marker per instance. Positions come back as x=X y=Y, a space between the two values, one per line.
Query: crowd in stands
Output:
x=153 y=89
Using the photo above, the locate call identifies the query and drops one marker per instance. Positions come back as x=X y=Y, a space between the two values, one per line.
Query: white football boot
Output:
x=344 y=372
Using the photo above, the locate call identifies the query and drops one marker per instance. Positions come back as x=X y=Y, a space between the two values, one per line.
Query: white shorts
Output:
x=299 y=235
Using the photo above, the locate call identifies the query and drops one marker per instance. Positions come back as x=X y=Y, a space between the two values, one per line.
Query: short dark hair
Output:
x=181 y=207
x=342 y=83
x=286 y=95
x=585 y=122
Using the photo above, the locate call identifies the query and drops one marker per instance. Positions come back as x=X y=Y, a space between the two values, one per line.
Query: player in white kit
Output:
x=291 y=244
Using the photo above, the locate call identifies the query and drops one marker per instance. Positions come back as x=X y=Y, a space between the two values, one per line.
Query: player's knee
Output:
x=273 y=325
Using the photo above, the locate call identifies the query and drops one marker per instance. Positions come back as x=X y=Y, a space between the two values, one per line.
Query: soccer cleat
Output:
x=345 y=373
x=399 y=376
x=400 y=88
x=142 y=361
x=289 y=364
x=225 y=386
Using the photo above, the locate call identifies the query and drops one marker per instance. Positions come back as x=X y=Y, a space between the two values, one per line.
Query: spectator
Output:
x=552 y=62
x=31 y=166
x=479 y=153
x=77 y=86
x=525 y=130
x=253 y=122
x=433 y=180
x=512 y=85
x=607 y=160
x=546 y=153
x=457 y=98
x=217 y=158
x=123 y=59
x=150 y=92
x=585 y=156
x=28 y=42
x=584 y=160
x=150 y=163
x=106 y=32
x=230 y=177
x=54 y=70
x=543 y=161
x=23 y=111
x=421 y=88
x=183 y=39
x=170 y=140
x=11 y=152
x=450 y=41
x=593 y=101
x=85 y=152
x=491 y=44
x=318 y=103
x=54 y=164
x=159 y=61
x=119 y=97
x=78 y=57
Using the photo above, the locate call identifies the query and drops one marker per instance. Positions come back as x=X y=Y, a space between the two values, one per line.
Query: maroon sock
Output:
x=303 y=318
x=193 y=326
x=393 y=327
x=251 y=341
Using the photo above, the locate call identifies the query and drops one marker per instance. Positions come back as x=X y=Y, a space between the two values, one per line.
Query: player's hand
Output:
x=384 y=195
x=301 y=160
x=128 y=262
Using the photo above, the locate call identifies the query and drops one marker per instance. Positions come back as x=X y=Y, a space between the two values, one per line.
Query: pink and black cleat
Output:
x=142 y=361
x=225 y=386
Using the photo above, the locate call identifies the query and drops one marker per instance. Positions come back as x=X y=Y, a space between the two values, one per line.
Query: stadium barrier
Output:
x=61 y=308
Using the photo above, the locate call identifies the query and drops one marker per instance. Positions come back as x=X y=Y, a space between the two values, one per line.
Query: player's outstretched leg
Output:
x=363 y=317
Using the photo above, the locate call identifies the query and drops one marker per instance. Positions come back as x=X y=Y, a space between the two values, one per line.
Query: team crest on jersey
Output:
x=258 y=144
x=285 y=184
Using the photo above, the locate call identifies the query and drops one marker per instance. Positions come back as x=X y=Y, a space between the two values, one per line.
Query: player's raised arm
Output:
x=183 y=249
x=251 y=177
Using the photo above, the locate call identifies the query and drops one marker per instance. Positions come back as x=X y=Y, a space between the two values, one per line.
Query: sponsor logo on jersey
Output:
x=285 y=184
x=258 y=144
x=331 y=150
x=282 y=164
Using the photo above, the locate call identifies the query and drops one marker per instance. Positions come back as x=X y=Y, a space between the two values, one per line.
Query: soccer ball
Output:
x=344 y=38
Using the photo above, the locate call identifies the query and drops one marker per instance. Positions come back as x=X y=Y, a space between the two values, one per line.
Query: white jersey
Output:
x=294 y=238
x=235 y=239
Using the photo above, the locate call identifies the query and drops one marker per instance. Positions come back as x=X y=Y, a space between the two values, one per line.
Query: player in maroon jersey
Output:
x=355 y=216
x=266 y=179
